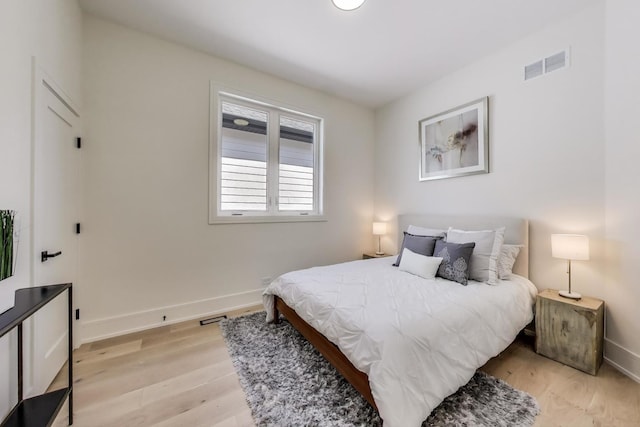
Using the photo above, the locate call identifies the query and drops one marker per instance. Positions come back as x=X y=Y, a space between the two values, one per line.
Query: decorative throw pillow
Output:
x=455 y=260
x=484 y=260
x=422 y=245
x=508 y=256
x=420 y=265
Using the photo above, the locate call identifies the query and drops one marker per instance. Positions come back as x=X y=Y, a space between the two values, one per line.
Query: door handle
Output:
x=45 y=255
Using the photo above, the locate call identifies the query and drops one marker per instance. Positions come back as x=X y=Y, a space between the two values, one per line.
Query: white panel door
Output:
x=55 y=213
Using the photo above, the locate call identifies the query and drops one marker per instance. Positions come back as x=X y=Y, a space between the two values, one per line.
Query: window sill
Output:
x=271 y=219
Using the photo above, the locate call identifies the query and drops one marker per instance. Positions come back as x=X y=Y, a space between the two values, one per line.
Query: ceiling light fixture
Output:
x=348 y=4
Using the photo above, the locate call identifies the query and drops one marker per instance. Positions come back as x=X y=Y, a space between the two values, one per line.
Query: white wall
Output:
x=622 y=86
x=50 y=30
x=546 y=147
x=147 y=250
x=554 y=158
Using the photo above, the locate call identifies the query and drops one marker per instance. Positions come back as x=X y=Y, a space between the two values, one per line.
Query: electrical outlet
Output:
x=266 y=281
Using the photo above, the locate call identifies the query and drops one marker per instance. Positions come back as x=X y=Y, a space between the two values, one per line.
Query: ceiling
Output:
x=372 y=55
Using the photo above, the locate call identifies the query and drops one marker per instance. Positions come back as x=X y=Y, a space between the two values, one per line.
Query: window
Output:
x=266 y=162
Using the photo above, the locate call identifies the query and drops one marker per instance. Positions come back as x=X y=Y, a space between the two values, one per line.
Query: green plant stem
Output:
x=6 y=243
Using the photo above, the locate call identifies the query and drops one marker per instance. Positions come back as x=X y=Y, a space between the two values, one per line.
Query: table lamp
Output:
x=570 y=247
x=379 y=228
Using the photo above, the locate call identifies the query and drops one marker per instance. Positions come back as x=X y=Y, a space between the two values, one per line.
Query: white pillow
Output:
x=420 y=265
x=484 y=259
x=507 y=259
x=423 y=231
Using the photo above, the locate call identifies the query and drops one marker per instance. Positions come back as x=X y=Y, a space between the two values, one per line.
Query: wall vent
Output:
x=534 y=70
x=546 y=65
x=211 y=320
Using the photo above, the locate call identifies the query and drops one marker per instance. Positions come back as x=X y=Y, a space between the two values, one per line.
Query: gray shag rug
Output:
x=289 y=383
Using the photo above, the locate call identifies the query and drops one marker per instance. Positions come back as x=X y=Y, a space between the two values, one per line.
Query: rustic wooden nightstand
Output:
x=570 y=331
x=368 y=255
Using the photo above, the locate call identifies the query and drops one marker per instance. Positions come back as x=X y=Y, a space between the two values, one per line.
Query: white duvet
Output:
x=418 y=340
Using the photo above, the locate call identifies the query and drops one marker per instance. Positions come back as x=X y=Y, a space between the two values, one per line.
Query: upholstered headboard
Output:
x=516 y=233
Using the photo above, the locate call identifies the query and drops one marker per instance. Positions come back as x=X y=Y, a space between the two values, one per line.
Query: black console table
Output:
x=37 y=411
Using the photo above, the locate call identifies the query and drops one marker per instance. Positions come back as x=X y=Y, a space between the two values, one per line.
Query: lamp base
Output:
x=379 y=253
x=567 y=294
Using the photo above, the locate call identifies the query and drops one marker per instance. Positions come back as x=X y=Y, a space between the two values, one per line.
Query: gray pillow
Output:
x=422 y=245
x=484 y=259
x=455 y=260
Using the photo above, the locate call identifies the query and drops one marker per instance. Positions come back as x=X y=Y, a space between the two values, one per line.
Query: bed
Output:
x=405 y=342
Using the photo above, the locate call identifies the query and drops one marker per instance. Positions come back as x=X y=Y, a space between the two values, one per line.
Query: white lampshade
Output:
x=379 y=228
x=570 y=246
x=348 y=4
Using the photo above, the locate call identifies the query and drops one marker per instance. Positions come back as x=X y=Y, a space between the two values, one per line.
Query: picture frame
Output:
x=455 y=142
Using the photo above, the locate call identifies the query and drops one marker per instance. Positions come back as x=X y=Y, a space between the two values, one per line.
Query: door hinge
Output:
x=77 y=314
x=77 y=228
x=79 y=142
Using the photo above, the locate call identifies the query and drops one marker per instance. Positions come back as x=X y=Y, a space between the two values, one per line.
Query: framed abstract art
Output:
x=455 y=142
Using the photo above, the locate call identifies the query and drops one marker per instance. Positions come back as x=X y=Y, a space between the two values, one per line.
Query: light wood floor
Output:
x=181 y=375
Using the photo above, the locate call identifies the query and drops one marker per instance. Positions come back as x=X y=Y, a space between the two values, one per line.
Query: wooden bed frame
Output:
x=517 y=232
x=358 y=379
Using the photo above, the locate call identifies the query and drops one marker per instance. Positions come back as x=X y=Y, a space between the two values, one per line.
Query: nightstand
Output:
x=570 y=331
x=368 y=255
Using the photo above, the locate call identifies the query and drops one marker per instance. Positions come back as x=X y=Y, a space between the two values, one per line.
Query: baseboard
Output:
x=95 y=330
x=622 y=359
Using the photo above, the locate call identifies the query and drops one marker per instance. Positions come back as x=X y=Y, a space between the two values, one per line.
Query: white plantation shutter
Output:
x=243 y=168
x=243 y=165
x=296 y=180
x=256 y=168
